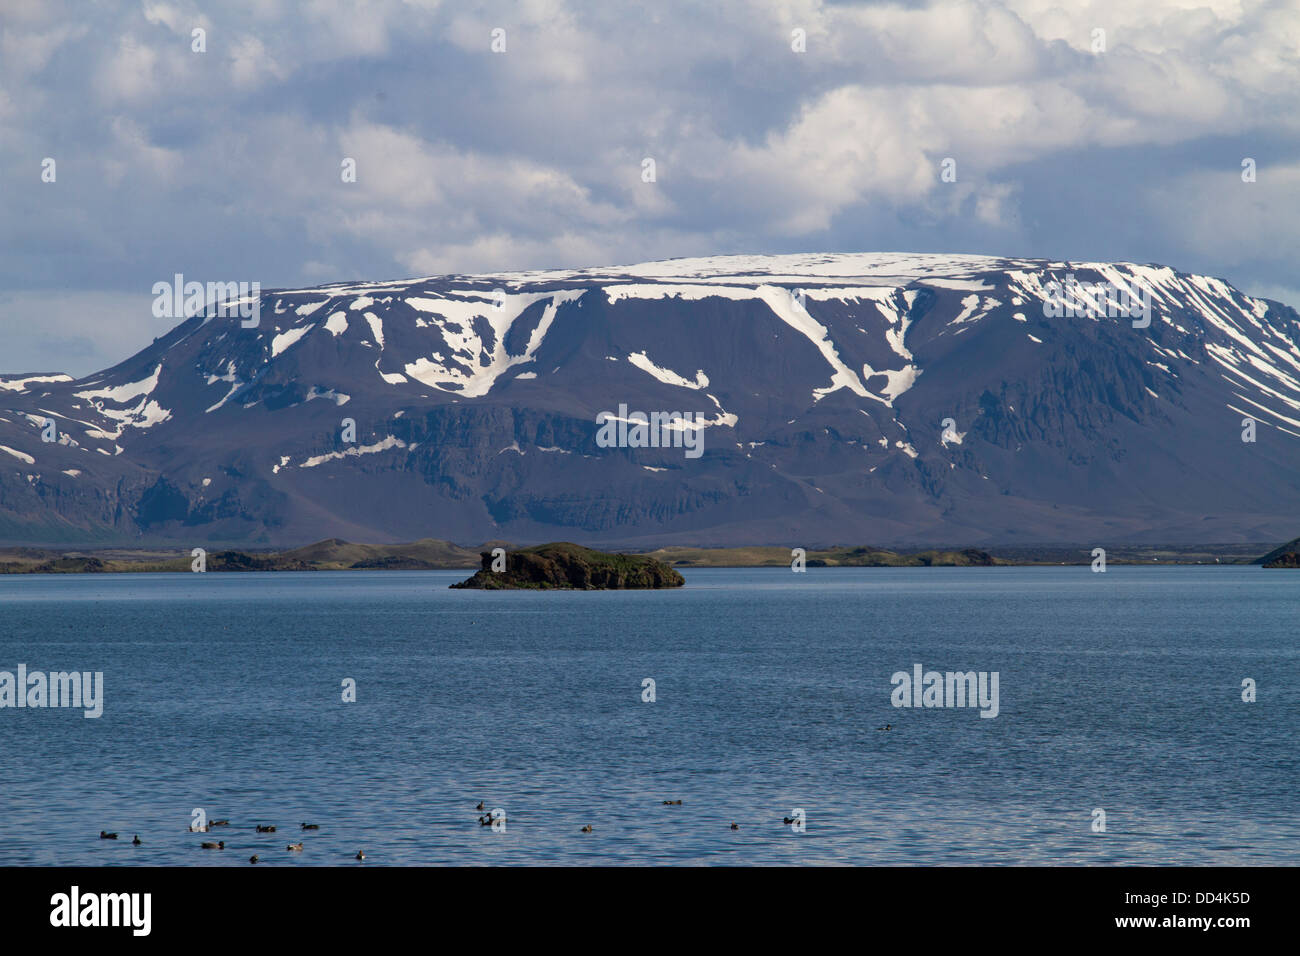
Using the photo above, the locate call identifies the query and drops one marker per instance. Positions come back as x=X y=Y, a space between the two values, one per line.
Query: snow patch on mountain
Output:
x=667 y=376
x=338 y=398
x=758 y=269
x=897 y=381
x=145 y=414
x=121 y=394
x=21 y=456
x=477 y=357
x=21 y=384
x=960 y=285
x=285 y=339
x=690 y=293
x=781 y=302
x=376 y=328
x=353 y=452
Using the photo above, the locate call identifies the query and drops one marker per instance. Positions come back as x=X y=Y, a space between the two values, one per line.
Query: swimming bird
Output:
x=361 y=854
x=672 y=803
x=294 y=846
x=107 y=836
x=480 y=805
x=735 y=826
x=215 y=846
x=219 y=823
x=311 y=826
x=587 y=828
x=253 y=858
x=886 y=727
x=136 y=841
x=789 y=820
x=262 y=829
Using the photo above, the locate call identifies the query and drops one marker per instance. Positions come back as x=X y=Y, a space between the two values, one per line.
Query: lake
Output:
x=1120 y=692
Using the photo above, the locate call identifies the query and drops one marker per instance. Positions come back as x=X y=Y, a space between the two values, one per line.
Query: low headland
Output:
x=1287 y=556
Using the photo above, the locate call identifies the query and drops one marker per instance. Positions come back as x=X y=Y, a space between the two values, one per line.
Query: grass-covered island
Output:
x=570 y=566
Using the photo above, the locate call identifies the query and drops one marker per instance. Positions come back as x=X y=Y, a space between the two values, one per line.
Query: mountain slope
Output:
x=822 y=383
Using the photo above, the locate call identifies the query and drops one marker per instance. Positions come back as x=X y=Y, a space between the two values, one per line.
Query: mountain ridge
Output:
x=824 y=384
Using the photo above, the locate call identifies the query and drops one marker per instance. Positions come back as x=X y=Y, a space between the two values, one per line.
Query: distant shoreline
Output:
x=435 y=555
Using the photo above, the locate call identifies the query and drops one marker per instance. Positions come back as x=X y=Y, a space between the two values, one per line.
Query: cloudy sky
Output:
x=226 y=165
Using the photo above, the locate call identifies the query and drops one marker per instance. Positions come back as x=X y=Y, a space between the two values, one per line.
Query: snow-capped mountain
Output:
x=857 y=398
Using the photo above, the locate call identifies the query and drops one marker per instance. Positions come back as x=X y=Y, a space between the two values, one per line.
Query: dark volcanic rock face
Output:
x=822 y=384
x=571 y=566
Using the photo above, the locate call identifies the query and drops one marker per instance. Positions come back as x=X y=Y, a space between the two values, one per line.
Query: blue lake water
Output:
x=1119 y=691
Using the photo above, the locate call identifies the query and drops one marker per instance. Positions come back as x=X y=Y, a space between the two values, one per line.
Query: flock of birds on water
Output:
x=486 y=820
x=221 y=844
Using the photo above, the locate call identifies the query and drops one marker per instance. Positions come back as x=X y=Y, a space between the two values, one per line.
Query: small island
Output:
x=563 y=565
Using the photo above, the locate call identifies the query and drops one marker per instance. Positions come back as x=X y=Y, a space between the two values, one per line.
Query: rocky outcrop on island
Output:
x=571 y=567
x=241 y=561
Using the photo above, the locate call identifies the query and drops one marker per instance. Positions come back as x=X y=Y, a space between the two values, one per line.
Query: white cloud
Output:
x=228 y=162
x=130 y=73
x=251 y=65
x=181 y=22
